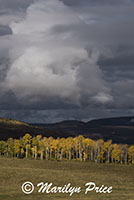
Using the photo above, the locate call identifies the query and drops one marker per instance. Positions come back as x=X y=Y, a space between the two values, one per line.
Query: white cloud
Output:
x=49 y=58
x=103 y=98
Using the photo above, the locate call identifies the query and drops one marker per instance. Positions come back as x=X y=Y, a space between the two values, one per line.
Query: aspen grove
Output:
x=78 y=148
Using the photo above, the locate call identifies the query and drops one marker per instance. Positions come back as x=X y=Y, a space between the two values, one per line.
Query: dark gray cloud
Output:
x=5 y=30
x=70 y=59
x=96 y=2
x=14 y=5
x=51 y=116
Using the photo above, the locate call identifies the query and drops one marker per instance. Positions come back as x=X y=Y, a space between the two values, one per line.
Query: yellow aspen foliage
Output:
x=131 y=154
x=77 y=148
x=16 y=147
x=116 y=153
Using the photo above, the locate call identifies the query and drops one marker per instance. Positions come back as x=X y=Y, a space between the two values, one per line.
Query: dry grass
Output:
x=14 y=172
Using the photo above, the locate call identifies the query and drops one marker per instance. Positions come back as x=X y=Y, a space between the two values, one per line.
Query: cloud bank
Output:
x=74 y=55
x=51 y=61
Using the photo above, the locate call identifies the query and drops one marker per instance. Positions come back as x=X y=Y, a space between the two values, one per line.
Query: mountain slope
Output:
x=120 y=130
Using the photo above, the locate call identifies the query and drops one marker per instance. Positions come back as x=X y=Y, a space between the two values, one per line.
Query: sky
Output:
x=66 y=59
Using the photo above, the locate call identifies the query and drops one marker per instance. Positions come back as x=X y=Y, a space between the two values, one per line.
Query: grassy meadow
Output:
x=14 y=172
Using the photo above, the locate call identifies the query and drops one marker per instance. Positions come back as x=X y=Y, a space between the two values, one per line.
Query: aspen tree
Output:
x=131 y=154
x=62 y=147
x=17 y=146
x=41 y=149
x=76 y=146
x=100 y=151
x=3 y=148
x=80 y=140
x=69 y=142
x=47 y=147
x=26 y=141
x=10 y=146
x=116 y=153
x=107 y=149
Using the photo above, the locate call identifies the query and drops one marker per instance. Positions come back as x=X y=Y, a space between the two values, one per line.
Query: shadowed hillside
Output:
x=120 y=130
x=16 y=129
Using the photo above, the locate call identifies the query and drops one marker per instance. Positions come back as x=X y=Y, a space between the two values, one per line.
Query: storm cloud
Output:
x=66 y=58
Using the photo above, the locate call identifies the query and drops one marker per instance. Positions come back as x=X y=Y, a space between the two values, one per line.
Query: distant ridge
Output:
x=119 y=129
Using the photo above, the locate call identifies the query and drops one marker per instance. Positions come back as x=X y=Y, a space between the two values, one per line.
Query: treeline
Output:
x=78 y=148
